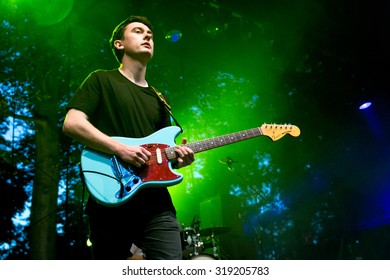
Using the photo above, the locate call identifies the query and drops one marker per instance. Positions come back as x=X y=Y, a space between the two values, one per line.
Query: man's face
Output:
x=137 y=41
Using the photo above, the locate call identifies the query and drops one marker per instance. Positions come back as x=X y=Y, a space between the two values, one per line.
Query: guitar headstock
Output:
x=277 y=131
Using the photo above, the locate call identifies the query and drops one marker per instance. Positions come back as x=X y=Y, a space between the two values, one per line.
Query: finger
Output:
x=146 y=152
x=188 y=153
x=144 y=155
x=181 y=151
x=139 y=160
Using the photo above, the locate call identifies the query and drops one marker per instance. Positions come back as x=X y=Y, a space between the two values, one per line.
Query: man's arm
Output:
x=78 y=126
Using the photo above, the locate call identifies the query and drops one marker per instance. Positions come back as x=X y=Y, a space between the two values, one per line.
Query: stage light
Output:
x=49 y=12
x=365 y=105
x=173 y=36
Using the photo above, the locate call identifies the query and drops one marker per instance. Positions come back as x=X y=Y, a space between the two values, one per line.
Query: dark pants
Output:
x=158 y=236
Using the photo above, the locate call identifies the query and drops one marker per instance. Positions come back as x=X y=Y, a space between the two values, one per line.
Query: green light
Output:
x=49 y=12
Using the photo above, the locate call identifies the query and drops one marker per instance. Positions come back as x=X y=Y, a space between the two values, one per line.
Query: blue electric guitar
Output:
x=112 y=182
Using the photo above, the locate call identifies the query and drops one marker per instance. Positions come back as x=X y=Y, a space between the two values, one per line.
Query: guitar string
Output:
x=210 y=143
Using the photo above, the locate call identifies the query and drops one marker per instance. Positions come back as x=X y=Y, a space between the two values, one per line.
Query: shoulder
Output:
x=103 y=76
x=101 y=73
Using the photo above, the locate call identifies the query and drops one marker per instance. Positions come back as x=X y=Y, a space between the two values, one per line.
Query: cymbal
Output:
x=214 y=231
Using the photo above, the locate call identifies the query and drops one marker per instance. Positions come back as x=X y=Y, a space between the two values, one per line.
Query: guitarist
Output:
x=121 y=102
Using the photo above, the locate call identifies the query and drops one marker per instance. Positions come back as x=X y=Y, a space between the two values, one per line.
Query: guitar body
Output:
x=112 y=182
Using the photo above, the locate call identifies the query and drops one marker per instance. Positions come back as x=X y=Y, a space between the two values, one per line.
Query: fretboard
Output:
x=216 y=142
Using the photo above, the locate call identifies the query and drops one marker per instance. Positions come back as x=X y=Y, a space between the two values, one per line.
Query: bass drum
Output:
x=203 y=257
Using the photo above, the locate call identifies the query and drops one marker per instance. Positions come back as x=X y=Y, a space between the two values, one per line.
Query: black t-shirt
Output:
x=118 y=107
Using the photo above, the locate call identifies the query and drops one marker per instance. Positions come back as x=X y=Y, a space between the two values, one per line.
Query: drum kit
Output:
x=202 y=244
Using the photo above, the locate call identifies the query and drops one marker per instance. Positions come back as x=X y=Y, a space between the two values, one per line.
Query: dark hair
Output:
x=118 y=32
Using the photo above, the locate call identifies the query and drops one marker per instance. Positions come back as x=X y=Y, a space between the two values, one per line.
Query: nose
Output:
x=148 y=36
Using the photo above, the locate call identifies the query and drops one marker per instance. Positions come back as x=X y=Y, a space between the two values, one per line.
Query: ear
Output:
x=118 y=44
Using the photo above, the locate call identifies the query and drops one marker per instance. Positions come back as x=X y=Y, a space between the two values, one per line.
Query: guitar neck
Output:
x=211 y=143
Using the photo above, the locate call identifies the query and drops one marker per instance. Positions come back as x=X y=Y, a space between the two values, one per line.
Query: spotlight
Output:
x=173 y=36
x=365 y=105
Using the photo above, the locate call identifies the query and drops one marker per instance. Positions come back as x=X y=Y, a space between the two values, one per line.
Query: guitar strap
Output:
x=166 y=105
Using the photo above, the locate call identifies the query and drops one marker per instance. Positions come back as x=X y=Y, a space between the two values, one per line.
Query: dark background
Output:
x=237 y=65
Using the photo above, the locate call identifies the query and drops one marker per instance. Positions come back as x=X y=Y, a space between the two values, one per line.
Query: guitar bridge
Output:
x=129 y=181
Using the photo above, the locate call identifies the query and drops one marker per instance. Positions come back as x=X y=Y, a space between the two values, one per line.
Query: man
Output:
x=120 y=102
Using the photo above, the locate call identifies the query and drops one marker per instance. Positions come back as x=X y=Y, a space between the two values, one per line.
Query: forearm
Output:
x=77 y=126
